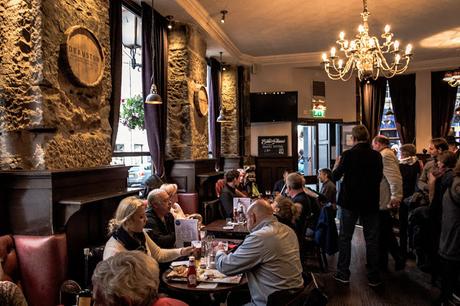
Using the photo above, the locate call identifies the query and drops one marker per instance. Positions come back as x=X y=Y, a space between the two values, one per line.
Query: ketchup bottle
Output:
x=191 y=272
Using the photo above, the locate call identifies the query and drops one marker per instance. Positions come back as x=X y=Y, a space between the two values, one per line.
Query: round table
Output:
x=184 y=288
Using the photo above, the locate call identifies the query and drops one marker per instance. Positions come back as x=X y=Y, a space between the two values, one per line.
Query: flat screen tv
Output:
x=273 y=106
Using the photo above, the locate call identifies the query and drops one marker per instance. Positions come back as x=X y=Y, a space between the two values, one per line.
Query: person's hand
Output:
x=394 y=203
x=220 y=247
x=187 y=251
x=337 y=162
x=431 y=178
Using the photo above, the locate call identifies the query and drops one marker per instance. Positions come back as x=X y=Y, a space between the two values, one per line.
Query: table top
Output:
x=183 y=287
x=217 y=226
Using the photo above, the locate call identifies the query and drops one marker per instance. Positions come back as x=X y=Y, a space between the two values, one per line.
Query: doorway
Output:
x=316 y=143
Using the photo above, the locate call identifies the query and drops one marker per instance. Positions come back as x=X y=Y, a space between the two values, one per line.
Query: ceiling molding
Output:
x=207 y=23
x=307 y=59
x=435 y=64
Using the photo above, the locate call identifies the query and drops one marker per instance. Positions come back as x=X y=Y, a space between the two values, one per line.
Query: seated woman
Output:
x=284 y=210
x=127 y=233
x=129 y=278
x=176 y=210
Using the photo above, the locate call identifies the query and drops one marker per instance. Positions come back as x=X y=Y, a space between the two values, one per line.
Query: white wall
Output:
x=422 y=109
x=340 y=96
x=340 y=99
x=270 y=129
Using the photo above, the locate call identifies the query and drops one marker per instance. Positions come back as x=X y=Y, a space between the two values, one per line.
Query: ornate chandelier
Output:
x=366 y=55
x=453 y=78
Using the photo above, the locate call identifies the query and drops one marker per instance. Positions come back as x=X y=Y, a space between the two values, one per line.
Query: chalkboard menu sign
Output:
x=272 y=146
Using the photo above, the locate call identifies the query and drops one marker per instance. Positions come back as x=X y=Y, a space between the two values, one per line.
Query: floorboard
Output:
x=407 y=287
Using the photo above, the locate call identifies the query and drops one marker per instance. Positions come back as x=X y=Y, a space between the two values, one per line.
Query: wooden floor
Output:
x=408 y=287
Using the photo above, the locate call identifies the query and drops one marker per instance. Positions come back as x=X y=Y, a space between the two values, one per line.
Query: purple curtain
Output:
x=442 y=104
x=402 y=92
x=155 y=115
x=372 y=100
x=115 y=65
x=214 y=102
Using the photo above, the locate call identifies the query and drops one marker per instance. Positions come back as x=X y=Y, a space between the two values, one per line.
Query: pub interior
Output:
x=102 y=102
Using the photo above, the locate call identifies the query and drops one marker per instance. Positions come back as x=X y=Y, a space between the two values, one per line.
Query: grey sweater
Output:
x=449 y=243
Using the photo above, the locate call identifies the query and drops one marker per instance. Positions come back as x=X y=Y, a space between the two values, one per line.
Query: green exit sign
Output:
x=318 y=112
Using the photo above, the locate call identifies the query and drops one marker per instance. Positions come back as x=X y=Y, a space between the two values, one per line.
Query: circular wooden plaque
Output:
x=201 y=101
x=84 y=56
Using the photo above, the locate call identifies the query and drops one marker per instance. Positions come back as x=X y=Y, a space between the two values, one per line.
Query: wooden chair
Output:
x=212 y=211
x=219 y=186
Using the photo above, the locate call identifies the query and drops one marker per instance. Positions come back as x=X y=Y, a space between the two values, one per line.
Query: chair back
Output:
x=219 y=186
x=212 y=211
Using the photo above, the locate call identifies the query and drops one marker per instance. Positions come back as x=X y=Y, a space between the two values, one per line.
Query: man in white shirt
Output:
x=269 y=255
x=391 y=193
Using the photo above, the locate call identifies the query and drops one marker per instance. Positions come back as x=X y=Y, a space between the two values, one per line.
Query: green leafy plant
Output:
x=132 y=112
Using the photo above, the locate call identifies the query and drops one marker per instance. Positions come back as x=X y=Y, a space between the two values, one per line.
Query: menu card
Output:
x=238 y=202
x=186 y=231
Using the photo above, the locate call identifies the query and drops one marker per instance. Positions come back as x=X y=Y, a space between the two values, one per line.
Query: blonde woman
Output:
x=176 y=210
x=127 y=233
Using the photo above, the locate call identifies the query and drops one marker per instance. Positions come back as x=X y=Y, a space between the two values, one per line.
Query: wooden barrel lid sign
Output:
x=84 y=56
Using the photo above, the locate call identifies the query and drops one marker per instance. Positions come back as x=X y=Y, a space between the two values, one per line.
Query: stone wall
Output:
x=229 y=130
x=187 y=130
x=47 y=122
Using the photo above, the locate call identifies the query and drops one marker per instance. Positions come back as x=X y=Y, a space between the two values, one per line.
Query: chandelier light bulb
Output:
x=333 y=52
x=387 y=29
x=345 y=44
x=340 y=63
x=342 y=35
x=371 y=43
x=222 y=19
x=397 y=59
x=324 y=57
x=408 y=49
x=396 y=45
x=360 y=28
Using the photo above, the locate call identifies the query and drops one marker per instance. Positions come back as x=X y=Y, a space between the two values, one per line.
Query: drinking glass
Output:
x=202 y=234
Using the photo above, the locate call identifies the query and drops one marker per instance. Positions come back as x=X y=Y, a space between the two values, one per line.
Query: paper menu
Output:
x=186 y=231
x=245 y=202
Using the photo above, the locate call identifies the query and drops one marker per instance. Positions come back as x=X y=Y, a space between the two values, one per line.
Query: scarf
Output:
x=136 y=242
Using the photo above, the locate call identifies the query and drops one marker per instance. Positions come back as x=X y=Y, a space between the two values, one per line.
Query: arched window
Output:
x=131 y=146
x=388 y=123
x=455 y=123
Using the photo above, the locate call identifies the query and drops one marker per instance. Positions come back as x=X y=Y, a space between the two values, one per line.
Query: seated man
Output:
x=280 y=185
x=160 y=221
x=129 y=278
x=269 y=255
x=229 y=192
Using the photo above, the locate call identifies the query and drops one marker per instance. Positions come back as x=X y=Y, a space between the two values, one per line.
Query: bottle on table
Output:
x=241 y=216
x=85 y=295
x=191 y=272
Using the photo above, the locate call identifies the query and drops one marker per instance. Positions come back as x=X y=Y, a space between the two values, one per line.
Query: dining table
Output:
x=223 y=229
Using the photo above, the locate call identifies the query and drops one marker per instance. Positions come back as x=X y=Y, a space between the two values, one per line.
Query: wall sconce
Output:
x=223 y=12
x=170 y=20
x=222 y=118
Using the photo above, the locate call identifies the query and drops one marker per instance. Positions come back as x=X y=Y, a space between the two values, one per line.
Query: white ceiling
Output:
x=297 y=31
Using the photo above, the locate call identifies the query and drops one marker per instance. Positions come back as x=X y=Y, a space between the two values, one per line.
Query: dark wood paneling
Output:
x=184 y=172
x=269 y=170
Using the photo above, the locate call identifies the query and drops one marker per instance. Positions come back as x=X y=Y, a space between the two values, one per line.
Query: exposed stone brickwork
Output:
x=47 y=122
x=187 y=131
x=229 y=131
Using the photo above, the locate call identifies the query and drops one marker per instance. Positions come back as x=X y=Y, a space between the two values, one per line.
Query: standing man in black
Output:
x=362 y=170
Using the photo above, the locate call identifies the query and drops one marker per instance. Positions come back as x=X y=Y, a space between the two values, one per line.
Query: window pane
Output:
x=388 y=123
x=131 y=136
x=455 y=123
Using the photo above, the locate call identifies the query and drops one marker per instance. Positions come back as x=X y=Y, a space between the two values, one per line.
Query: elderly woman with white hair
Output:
x=176 y=210
x=129 y=278
x=127 y=233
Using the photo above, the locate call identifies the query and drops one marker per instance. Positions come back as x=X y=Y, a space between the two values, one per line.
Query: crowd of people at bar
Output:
x=376 y=187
